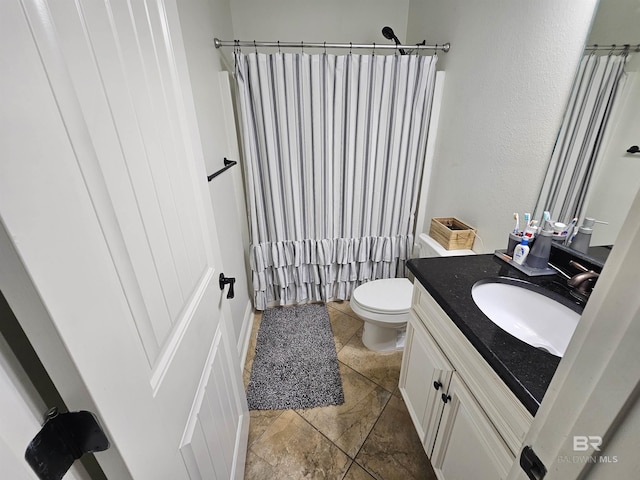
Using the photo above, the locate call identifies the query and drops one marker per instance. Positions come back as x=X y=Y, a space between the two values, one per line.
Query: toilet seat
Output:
x=387 y=300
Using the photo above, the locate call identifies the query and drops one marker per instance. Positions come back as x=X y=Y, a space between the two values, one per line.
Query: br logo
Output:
x=581 y=443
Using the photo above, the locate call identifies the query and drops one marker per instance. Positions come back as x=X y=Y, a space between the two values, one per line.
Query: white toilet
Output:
x=384 y=304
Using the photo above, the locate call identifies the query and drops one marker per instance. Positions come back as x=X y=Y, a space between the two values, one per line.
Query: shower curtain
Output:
x=566 y=185
x=333 y=153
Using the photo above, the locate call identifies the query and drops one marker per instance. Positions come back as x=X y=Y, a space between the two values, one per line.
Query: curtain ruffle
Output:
x=290 y=272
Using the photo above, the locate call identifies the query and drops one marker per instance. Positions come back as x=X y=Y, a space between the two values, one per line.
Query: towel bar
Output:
x=227 y=165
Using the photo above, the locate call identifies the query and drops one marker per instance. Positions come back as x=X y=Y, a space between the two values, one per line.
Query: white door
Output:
x=104 y=212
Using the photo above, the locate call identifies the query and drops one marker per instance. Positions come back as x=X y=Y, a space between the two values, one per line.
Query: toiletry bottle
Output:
x=539 y=255
x=581 y=241
x=521 y=251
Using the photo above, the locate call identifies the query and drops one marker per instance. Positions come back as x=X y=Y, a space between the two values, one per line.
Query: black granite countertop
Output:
x=526 y=370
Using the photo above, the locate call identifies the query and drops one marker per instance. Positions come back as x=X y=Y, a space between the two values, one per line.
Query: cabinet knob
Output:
x=437 y=385
x=445 y=397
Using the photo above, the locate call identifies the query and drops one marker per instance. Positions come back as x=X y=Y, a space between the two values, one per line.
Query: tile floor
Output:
x=369 y=437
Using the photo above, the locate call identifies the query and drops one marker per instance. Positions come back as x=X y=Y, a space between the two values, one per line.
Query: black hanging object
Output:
x=387 y=32
x=227 y=280
x=64 y=438
x=227 y=165
x=633 y=149
x=531 y=464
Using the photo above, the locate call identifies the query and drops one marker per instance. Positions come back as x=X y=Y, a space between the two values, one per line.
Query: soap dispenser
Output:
x=539 y=255
x=581 y=241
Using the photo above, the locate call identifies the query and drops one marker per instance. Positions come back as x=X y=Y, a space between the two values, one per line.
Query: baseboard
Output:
x=245 y=334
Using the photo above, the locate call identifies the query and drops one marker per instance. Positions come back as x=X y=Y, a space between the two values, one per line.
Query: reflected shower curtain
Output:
x=574 y=158
x=333 y=149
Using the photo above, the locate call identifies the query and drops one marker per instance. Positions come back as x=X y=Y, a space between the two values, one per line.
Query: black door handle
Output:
x=531 y=464
x=227 y=280
x=64 y=438
x=437 y=385
x=445 y=397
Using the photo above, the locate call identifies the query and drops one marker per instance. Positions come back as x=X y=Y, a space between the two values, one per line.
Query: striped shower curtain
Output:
x=573 y=163
x=333 y=149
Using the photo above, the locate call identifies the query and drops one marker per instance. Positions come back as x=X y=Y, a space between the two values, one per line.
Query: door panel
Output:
x=466 y=432
x=423 y=364
x=133 y=126
x=102 y=195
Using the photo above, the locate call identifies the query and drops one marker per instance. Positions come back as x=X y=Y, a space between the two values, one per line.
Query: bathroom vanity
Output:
x=471 y=388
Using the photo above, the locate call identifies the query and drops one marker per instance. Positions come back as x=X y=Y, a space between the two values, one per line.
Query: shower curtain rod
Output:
x=627 y=46
x=369 y=46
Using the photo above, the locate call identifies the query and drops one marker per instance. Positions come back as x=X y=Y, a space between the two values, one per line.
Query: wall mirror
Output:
x=613 y=180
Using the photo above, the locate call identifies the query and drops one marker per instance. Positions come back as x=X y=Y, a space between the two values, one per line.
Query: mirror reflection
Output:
x=591 y=174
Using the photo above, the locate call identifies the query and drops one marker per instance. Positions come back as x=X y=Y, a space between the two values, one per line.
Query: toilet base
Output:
x=383 y=339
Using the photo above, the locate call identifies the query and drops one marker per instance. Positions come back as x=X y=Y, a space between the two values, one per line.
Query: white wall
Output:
x=201 y=21
x=318 y=21
x=617 y=22
x=509 y=73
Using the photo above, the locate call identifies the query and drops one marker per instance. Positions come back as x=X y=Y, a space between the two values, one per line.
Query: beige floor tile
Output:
x=260 y=420
x=382 y=368
x=393 y=449
x=348 y=425
x=343 y=327
x=251 y=349
x=356 y=472
x=256 y=468
x=294 y=449
x=344 y=307
x=246 y=376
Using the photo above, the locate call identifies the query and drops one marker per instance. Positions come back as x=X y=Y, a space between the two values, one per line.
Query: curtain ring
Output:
x=350 y=48
x=373 y=52
x=255 y=47
x=279 y=47
x=325 y=47
x=613 y=47
x=302 y=47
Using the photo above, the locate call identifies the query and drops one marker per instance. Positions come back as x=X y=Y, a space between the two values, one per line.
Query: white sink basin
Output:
x=530 y=316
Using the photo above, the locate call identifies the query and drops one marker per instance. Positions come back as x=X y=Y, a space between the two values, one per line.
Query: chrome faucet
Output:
x=582 y=282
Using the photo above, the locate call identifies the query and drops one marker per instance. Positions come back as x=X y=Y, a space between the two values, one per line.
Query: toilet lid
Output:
x=392 y=295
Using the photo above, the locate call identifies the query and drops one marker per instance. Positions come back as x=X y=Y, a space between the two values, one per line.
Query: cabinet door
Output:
x=467 y=445
x=425 y=374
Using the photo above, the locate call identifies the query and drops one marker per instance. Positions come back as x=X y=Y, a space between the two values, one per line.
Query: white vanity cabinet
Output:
x=467 y=444
x=425 y=375
x=471 y=425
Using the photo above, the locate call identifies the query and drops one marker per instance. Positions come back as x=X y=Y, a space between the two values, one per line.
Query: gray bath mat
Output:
x=295 y=365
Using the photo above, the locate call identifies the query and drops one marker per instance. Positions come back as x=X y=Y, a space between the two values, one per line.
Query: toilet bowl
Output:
x=384 y=304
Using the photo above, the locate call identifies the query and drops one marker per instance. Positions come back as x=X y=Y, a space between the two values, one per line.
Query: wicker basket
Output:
x=451 y=233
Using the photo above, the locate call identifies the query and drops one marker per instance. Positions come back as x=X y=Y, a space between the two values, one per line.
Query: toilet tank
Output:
x=429 y=247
